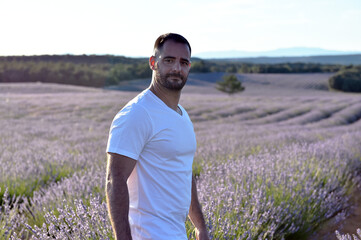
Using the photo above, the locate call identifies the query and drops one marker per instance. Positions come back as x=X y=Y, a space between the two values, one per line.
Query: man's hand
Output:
x=201 y=235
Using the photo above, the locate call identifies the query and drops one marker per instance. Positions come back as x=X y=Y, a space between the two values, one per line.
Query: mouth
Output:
x=176 y=77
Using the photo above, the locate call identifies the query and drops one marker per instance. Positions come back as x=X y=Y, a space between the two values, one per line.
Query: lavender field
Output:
x=274 y=162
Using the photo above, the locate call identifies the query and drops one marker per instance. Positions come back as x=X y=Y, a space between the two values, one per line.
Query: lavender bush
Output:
x=78 y=222
x=348 y=236
x=268 y=166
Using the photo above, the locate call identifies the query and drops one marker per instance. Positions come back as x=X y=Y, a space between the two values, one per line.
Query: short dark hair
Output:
x=158 y=45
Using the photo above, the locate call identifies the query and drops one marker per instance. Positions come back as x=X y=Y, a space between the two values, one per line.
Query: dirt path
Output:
x=349 y=225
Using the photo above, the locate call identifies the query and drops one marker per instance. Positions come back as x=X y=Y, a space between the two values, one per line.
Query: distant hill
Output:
x=282 y=52
x=354 y=59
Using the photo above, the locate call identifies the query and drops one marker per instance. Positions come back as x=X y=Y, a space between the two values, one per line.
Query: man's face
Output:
x=173 y=65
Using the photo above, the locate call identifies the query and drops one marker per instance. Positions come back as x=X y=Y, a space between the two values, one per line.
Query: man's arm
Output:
x=119 y=168
x=196 y=216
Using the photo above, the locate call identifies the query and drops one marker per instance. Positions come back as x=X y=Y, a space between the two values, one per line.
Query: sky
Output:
x=129 y=28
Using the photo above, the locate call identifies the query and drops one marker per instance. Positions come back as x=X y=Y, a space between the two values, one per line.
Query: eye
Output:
x=168 y=61
x=185 y=63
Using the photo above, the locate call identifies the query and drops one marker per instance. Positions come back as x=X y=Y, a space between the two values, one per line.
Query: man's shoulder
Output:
x=137 y=107
x=132 y=116
x=141 y=100
x=133 y=110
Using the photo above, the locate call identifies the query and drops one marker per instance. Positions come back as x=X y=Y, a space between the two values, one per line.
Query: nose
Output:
x=176 y=66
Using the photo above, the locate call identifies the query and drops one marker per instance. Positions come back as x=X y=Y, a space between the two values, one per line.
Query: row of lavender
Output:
x=269 y=167
x=281 y=171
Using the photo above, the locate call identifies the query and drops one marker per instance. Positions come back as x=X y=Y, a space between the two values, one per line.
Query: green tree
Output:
x=231 y=69
x=347 y=80
x=245 y=68
x=230 y=84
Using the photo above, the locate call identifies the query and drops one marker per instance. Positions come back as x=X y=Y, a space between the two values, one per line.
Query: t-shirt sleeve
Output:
x=130 y=130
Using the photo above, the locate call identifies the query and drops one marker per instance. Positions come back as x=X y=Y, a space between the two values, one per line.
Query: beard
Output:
x=174 y=85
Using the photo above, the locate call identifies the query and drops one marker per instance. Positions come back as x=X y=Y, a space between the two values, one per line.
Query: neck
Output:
x=169 y=97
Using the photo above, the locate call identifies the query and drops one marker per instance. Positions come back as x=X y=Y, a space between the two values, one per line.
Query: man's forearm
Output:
x=118 y=207
x=195 y=210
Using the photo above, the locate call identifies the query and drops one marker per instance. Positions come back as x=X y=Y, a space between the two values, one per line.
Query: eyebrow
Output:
x=182 y=59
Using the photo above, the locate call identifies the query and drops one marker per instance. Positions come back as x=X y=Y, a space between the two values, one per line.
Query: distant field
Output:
x=273 y=162
x=256 y=84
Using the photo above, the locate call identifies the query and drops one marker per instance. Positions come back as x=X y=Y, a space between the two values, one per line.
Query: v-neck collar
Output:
x=160 y=101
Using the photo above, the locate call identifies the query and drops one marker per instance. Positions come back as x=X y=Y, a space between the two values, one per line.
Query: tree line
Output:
x=103 y=70
x=232 y=67
x=93 y=71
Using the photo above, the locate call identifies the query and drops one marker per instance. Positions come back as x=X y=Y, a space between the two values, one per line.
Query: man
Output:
x=150 y=187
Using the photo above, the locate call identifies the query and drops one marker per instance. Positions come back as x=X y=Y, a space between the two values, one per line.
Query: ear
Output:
x=152 y=64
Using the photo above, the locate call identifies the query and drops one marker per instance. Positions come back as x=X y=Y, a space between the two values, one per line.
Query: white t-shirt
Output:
x=163 y=143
